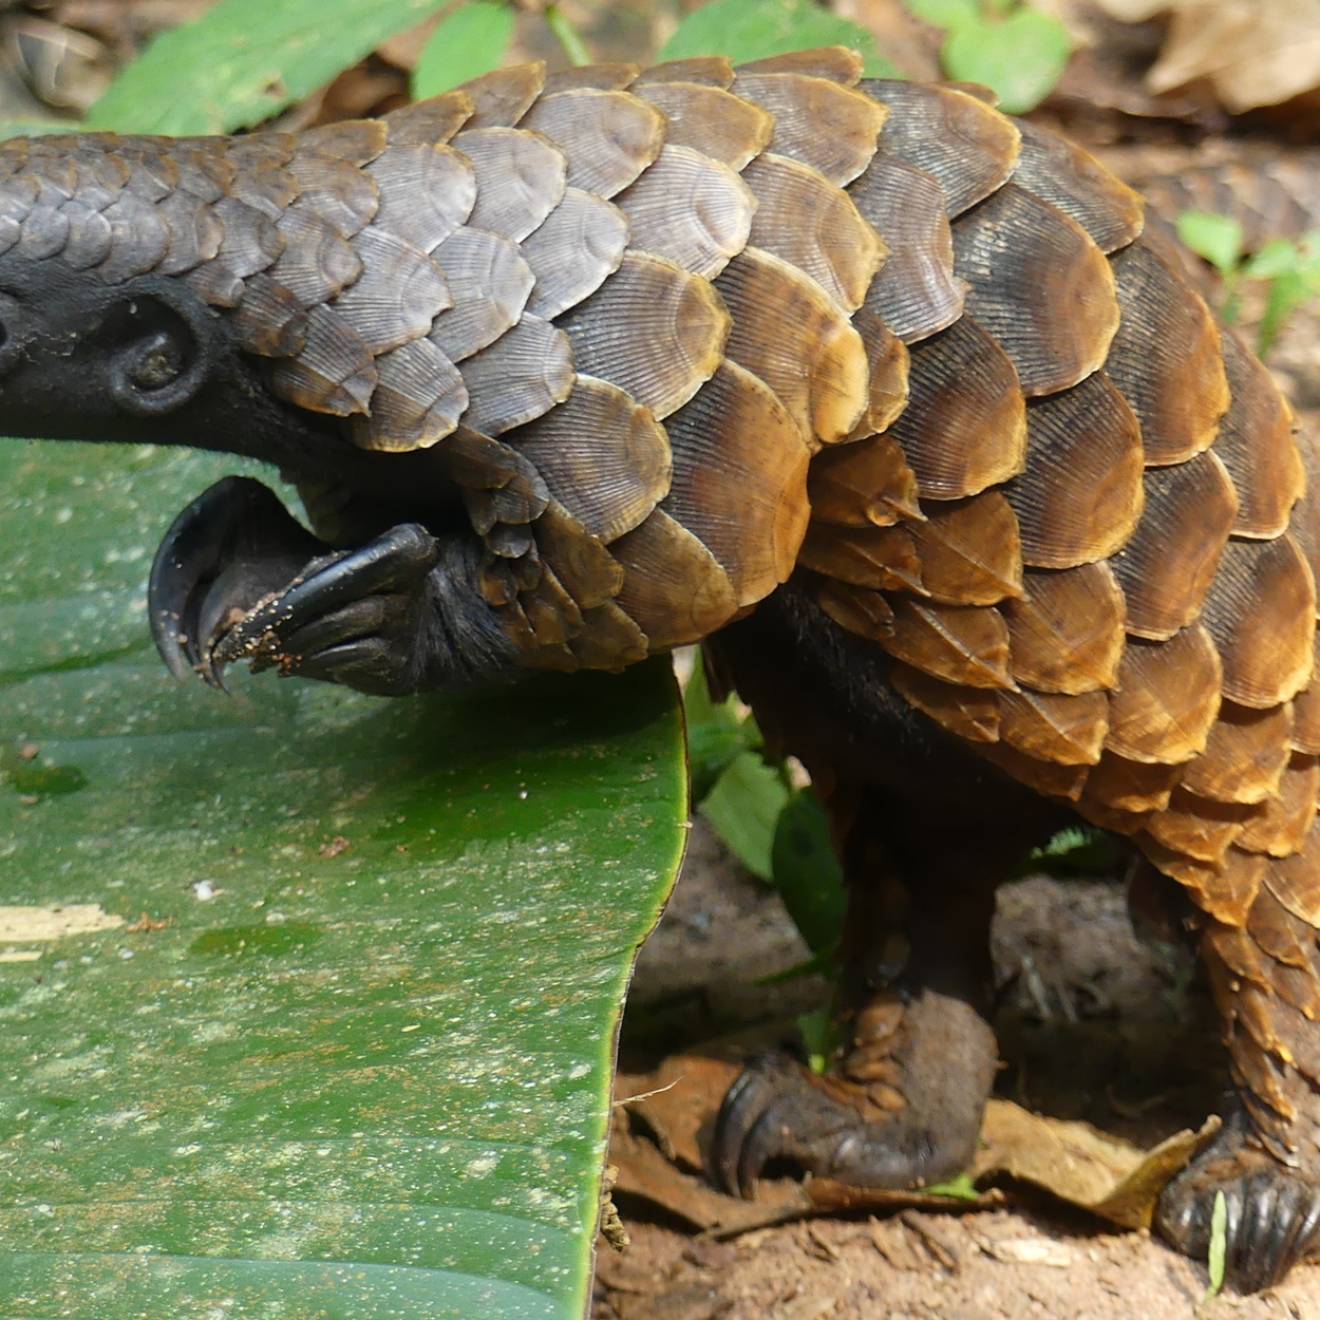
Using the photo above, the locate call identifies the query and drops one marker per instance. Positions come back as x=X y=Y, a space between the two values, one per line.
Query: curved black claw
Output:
x=1273 y=1213
x=232 y=546
x=777 y=1109
x=356 y=617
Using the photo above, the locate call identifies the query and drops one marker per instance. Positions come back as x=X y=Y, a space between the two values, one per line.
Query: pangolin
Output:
x=883 y=396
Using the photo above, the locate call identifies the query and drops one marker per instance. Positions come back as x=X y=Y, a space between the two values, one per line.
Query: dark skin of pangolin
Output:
x=443 y=555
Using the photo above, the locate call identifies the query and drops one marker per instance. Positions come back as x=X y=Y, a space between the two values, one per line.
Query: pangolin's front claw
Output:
x=234 y=545
x=354 y=618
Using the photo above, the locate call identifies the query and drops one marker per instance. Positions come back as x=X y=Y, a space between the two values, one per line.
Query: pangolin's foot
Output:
x=238 y=578
x=901 y=1108
x=1273 y=1212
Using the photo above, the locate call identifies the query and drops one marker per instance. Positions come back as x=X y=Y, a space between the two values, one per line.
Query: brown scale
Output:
x=865 y=484
x=827 y=239
x=1120 y=793
x=970 y=550
x=960 y=644
x=607 y=138
x=965 y=145
x=835 y=63
x=916 y=292
x=1169 y=564
x=1039 y=286
x=860 y=610
x=890 y=365
x=1165 y=357
x=650 y=300
x=1200 y=828
x=1255 y=444
x=821 y=123
x=607 y=454
x=1306 y=709
x=1167 y=698
x=735 y=445
x=1060 y=729
x=710 y=120
x=971 y=713
x=1245 y=756
x=501 y=98
x=573 y=252
x=613 y=77
x=673 y=586
x=965 y=426
x=1066 y=632
x=1261 y=613
x=1061 y=173
x=796 y=339
x=1280 y=829
x=1081 y=495
x=690 y=210
x=883 y=558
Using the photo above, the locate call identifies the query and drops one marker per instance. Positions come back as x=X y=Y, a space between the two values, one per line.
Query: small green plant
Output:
x=1288 y=270
x=1016 y=51
x=1218 y=1252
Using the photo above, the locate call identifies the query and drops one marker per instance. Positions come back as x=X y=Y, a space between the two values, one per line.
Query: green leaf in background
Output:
x=1278 y=257
x=716 y=732
x=756 y=29
x=1020 y=57
x=945 y=13
x=469 y=42
x=308 y=999
x=245 y=60
x=807 y=873
x=743 y=808
x=1215 y=238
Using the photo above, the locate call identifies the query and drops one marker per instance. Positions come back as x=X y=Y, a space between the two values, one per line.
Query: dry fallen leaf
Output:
x=659 y=1151
x=1252 y=52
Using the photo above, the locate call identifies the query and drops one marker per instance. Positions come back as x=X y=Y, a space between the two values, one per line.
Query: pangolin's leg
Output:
x=926 y=830
x=237 y=577
x=902 y=1100
x=1265 y=977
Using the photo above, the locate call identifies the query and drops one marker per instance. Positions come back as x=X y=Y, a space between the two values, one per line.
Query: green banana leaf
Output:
x=308 y=1000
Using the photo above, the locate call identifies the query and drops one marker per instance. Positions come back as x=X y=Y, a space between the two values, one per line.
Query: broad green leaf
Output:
x=471 y=41
x=756 y=29
x=807 y=873
x=336 y=1037
x=1020 y=57
x=245 y=60
x=743 y=808
x=945 y=13
x=1215 y=238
